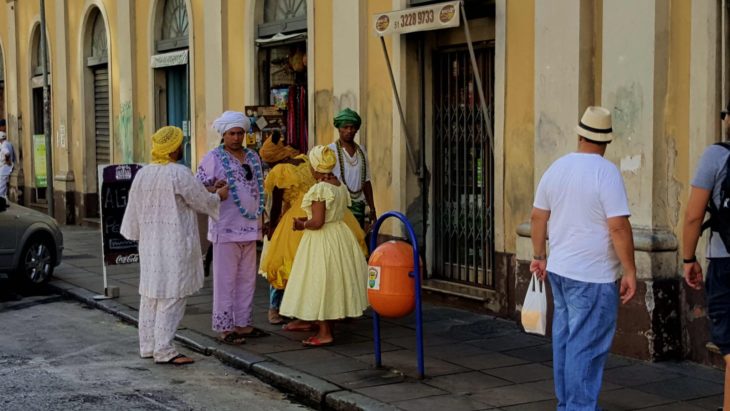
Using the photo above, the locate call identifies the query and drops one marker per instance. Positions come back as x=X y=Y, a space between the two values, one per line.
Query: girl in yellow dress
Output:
x=329 y=273
x=288 y=181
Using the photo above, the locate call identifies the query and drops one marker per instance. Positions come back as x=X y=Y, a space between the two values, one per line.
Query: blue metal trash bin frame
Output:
x=416 y=273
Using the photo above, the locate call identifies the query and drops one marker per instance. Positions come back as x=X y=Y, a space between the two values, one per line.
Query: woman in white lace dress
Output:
x=161 y=215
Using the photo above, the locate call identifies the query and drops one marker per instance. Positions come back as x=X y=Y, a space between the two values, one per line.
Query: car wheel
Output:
x=36 y=262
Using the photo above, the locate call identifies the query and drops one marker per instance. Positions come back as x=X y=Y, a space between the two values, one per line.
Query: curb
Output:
x=311 y=390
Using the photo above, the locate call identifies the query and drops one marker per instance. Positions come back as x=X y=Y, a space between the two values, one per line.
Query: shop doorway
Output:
x=281 y=38
x=173 y=103
x=172 y=71
x=463 y=168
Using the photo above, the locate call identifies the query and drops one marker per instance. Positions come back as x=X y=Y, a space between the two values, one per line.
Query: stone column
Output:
x=346 y=55
x=635 y=70
x=213 y=26
x=62 y=174
x=563 y=89
x=123 y=57
x=563 y=75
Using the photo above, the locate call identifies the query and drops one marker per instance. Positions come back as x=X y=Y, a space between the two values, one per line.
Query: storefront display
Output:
x=283 y=87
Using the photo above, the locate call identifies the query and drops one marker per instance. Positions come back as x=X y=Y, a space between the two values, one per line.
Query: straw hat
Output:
x=595 y=125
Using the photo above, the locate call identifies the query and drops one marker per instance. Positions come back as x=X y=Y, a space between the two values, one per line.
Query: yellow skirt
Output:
x=329 y=276
x=278 y=255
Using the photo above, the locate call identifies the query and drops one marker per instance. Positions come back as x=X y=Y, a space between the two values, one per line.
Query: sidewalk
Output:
x=473 y=362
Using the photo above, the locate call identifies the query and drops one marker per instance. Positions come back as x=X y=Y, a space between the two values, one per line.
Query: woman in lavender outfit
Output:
x=238 y=228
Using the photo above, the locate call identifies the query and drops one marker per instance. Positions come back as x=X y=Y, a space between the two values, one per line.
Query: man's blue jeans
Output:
x=584 y=322
x=275 y=296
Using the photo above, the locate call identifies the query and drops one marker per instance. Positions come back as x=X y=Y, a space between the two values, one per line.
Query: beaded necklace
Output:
x=363 y=168
x=251 y=159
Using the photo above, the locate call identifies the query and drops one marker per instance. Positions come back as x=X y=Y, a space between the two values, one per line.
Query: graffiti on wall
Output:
x=128 y=132
x=125 y=134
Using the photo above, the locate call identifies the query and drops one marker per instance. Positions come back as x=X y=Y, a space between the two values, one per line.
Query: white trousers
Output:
x=4 y=180
x=158 y=321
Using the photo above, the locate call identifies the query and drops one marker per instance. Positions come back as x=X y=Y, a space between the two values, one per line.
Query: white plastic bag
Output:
x=534 y=309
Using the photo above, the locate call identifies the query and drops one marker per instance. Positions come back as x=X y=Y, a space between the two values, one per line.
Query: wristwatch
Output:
x=539 y=257
x=690 y=260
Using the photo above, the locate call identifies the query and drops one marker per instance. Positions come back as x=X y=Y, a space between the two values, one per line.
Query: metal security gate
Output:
x=101 y=115
x=463 y=168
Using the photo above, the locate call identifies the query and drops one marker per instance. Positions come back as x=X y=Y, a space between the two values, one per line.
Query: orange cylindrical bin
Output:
x=391 y=290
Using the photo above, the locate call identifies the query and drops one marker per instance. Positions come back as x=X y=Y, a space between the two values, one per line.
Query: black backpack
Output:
x=719 y=220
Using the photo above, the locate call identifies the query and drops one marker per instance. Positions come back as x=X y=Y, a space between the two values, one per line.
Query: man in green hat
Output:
x=352 y=167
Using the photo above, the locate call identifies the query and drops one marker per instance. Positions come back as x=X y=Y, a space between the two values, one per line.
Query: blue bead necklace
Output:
x=251 y=159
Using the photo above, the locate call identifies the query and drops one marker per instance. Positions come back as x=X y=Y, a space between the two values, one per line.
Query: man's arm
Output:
x=368 y=190
x=693 y=216
x=538 y=232
x=623 y=243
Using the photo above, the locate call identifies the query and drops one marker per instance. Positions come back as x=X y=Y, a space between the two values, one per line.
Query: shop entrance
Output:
x=463 y=168
x=173 y=103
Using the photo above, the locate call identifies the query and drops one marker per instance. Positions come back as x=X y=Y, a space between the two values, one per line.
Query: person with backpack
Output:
x=710 y=191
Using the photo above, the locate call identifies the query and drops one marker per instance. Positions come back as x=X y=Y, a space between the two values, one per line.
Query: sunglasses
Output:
x=723 y=114
x=248 y=171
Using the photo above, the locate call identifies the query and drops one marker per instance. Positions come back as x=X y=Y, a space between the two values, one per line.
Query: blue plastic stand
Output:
x=417 y=274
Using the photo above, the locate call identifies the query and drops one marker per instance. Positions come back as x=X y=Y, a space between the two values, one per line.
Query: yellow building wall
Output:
x=677 y=148
x=143 y=111
x=323 y=66
x=379 y=114
x=519 y=124
x=234 y=57
x=76 y=15
x=198 y=113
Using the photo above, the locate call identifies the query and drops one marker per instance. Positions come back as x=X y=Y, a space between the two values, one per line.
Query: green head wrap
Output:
x=347 y=116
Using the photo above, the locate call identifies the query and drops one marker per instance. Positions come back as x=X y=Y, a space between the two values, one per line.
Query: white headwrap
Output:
x=229 y=120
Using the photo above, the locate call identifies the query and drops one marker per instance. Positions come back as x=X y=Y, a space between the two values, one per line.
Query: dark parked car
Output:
x=31 y=244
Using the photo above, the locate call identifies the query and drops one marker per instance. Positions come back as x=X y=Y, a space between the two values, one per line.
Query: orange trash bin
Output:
x=391 y=289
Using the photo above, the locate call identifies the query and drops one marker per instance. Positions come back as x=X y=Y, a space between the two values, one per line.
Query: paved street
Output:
x=60 y=355
x=473 y=361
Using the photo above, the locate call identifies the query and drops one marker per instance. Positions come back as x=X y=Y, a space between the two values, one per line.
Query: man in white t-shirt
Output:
x=352 y=166
x=583 y=197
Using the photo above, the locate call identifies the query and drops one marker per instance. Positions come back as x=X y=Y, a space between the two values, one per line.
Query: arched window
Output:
x=99 y=47
x=283 y=16
x=36 y=63
x=173 y=26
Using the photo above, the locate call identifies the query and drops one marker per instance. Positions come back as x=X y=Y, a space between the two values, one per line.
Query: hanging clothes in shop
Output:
x=296 y=118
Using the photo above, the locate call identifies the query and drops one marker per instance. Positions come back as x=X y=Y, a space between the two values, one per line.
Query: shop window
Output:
x=282 y=67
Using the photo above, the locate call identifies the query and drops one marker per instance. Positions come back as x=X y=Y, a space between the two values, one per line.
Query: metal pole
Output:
x=409 y=150
x=417 y=274
x=376 y=317
x=47 y=113
x=478 y=79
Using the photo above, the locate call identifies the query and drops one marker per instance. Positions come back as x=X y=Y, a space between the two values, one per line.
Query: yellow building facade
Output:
x=119 y=69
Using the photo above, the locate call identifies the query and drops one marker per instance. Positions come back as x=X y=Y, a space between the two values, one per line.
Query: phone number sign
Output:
x=432 y=17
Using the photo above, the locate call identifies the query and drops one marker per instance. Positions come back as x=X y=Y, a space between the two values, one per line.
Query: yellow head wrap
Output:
x=272 y=152
x=322 y=159
x=165 y=142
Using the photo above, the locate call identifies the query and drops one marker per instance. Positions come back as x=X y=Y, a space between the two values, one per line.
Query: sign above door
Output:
x=414 y=19
x=175 y=58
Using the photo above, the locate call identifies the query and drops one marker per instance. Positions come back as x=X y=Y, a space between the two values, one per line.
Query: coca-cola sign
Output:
x=115 y=182
x=127 y=259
